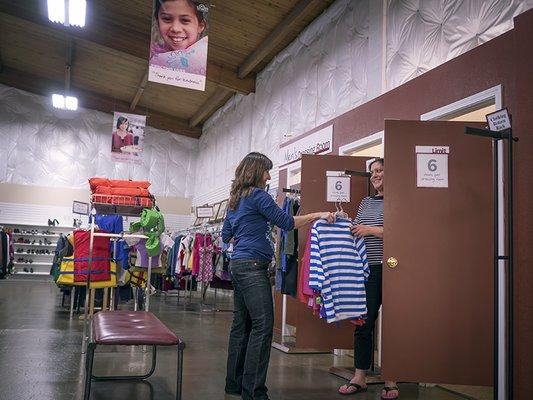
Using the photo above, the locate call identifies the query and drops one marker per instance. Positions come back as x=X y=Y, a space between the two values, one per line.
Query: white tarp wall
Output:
x=336 y=64
x=42 y=146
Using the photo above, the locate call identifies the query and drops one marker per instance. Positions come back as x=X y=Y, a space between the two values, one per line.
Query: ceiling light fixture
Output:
x=76 y=12
x=65 y=102
x=57 y=11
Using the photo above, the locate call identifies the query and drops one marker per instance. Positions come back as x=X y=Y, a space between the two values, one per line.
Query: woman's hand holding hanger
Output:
x=302 y=220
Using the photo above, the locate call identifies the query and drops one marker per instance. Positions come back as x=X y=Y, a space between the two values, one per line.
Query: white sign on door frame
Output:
x=338 y=187
x=432 y=166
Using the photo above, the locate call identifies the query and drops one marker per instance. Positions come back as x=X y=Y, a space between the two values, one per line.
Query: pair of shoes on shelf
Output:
x=53 y=222
x=16 y=230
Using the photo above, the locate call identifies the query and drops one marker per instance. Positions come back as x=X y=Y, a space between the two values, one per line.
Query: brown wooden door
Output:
x=438 y=301
x=311 y=331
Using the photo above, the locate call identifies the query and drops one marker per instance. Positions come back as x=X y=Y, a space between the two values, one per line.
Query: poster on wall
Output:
x=127 y=137
x=178 y=46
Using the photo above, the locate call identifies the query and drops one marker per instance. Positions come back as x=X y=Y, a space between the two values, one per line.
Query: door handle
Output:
x=392 y=262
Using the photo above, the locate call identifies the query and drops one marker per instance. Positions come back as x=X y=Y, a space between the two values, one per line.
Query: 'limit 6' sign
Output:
x=338 y=187
x=432 y=166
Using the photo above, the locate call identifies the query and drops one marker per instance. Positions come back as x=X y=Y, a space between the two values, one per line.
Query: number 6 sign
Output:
x=338 y=187
x=432 y=166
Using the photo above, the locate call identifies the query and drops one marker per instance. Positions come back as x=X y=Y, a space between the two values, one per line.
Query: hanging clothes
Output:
x=206 y=250
x=338 y=270
x=305 y=293
x=287 y=265
x=5 y=259
x=100 y=265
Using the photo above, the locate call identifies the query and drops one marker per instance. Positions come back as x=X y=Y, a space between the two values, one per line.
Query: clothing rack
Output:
x=206 y=228
x=114 y=237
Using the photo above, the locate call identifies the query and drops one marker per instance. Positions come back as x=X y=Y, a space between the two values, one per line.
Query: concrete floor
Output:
x=40 y=356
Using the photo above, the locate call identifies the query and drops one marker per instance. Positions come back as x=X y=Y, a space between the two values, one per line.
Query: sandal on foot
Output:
x=358 y=388
x=388 y=389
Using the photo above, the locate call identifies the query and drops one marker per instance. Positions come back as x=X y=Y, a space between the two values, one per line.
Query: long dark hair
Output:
x=120 y=121
x=248 y=175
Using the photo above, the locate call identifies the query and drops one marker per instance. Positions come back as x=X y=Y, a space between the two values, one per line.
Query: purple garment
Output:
x=142 y=255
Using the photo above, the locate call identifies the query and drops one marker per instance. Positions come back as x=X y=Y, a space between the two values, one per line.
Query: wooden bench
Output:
x=130 y=328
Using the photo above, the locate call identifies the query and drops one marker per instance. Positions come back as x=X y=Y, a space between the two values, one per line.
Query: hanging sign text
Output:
x=204 y=212
x=499 y=120
x=320 y=142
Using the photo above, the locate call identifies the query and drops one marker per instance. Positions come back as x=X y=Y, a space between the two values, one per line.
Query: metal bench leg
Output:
x=179 y=382
x=131 y=377
x=89 y=358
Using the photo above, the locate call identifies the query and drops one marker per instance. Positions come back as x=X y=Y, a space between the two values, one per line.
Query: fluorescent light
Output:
x=58 y=101
x=56 y=11
x=71 y=103
x=65 y=103
x=76 y=12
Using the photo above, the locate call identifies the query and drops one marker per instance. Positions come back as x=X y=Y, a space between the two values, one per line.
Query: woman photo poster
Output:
x=127 y=137
x=178 y=46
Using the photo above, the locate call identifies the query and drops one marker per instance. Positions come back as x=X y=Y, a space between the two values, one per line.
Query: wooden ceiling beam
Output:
x=140 y=91
x=126 y=40
x=45 y=87
x=210 y=106
x=276 y=36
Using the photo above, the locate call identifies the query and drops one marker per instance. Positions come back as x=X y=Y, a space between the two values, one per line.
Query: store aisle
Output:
x=40 y=356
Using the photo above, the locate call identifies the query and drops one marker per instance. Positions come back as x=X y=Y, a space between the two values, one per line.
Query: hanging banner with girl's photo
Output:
x=127 y=137
x=178 y=47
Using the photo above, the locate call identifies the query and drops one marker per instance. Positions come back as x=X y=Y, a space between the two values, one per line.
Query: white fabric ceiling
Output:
x=43 y=146
x=336 y=64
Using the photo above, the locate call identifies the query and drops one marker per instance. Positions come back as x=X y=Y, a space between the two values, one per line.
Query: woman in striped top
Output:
x=369 y=225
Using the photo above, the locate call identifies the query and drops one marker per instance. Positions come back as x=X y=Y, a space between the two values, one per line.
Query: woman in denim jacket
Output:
x=251 y=210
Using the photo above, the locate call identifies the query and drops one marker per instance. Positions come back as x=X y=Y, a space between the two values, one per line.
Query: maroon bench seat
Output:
x=130 y=328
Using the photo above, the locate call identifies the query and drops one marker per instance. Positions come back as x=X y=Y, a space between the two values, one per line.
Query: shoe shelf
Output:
x=32 y=264
x=33 y=245
x=16 y=225
x=34 y=235
x=30 y=273
x=31 y=255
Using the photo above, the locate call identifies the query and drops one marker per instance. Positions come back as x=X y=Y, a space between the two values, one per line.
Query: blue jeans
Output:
x=251 y=333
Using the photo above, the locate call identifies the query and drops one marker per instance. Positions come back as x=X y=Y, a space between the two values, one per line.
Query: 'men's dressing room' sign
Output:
x=319 y=142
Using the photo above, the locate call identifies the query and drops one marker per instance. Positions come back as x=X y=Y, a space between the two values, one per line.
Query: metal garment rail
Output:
x=90 y=265
x=497 y=136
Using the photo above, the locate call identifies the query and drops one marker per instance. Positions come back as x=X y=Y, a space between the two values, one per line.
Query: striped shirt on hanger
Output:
x=370 y=213
x=338 y=269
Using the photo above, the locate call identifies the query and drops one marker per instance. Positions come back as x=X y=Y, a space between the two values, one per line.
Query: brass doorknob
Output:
x=392 y=262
